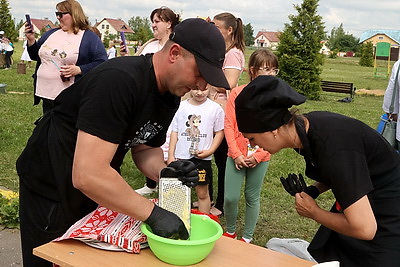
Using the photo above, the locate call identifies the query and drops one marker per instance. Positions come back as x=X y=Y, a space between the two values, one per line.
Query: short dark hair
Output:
x=166 y=15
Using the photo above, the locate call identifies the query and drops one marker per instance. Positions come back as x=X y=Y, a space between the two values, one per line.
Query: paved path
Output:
x=10 y=248
x=10 y=244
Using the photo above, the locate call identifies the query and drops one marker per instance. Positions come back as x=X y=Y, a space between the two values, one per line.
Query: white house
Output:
x=112 y=26
x=38 y=26
x=267 y=39
x=324 y=49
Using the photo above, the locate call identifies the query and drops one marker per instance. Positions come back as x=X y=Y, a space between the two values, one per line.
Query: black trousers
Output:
x=220 y=156
x=41 y=221
x=151 y=183
x=47 y=105
x=8 y=58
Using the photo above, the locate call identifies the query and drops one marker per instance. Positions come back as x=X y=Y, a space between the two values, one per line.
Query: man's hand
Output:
x=166 y=224
x=184 y=170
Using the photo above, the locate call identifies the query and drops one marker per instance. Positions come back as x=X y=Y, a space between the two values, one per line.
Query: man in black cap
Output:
x=72 y=160
x=342 y=154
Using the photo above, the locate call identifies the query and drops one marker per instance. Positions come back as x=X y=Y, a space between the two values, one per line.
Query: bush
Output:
x=367 y=55
x=9 y=209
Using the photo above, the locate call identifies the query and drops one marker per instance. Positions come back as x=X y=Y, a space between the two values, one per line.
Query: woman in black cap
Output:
x=363 y=226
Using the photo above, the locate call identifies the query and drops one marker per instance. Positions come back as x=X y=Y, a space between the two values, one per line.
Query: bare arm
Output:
x=149 y=160
x=172 y=146
x=93 y=175
x=357 y=221
x=321 y=187
x=218 y=137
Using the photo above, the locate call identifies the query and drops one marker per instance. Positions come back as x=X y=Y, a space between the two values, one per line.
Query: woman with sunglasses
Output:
x=63 y=54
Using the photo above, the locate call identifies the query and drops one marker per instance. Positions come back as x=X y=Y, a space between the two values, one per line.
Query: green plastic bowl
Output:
x=204 y=233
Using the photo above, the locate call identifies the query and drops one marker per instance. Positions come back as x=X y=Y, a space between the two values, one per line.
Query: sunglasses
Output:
x=61 y=14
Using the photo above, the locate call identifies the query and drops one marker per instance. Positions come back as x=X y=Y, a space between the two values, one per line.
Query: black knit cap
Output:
x=206 y=43
x=263 y=104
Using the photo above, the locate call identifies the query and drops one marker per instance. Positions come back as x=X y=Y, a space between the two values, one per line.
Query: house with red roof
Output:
x=112 y=26
x=267 y=39
x=38 y=26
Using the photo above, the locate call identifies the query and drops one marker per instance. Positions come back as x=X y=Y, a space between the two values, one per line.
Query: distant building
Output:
x=112 y=26
x=267 y=39
x=38 y=26
x=324 y=49
x=389 y=36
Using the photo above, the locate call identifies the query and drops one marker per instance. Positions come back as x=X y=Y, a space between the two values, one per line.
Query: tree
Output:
x=6 y=22
x=341 y=41
x=142 y=29
x=248 y=35
x=298 y=50
x=367 y=55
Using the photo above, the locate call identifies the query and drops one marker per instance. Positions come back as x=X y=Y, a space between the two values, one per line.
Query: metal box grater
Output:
x=175 y=197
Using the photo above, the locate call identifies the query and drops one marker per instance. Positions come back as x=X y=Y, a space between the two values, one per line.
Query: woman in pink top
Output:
x=63 y=54
x=245 y=163
x=231 y=29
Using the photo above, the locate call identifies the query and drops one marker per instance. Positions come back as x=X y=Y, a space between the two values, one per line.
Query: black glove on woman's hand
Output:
x=184 y=170
x=295 y=184
x=166 y=224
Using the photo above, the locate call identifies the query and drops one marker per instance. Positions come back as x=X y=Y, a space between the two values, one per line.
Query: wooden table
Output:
x=227 y=252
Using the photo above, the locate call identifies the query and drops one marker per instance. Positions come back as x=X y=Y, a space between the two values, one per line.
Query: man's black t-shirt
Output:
x=118 y=102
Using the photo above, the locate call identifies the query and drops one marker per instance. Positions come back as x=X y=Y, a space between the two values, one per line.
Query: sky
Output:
x=263 y=15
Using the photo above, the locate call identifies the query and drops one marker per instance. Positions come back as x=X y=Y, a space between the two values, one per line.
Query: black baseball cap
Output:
x=263 y=104
x=205 y=42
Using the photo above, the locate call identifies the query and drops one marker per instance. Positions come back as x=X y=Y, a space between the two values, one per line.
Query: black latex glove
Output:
x=295 y=184
x=184 y=170
x=166 y=224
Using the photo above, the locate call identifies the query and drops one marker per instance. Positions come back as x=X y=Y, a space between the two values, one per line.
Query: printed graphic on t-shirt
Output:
x=144 y=134
x=193 y=133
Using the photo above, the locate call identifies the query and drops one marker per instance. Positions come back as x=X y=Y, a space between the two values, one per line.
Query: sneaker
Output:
x=145 y=190
x=215 y=211
x=230 y=235
x=244 y=240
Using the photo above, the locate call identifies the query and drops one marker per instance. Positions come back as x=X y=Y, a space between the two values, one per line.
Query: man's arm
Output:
x=93 y=175
x=149 y=160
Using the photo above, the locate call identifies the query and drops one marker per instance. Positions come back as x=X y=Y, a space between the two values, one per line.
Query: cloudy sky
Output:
x=270 y=15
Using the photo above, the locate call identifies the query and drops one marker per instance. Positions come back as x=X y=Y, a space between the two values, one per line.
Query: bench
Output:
x=338 y=87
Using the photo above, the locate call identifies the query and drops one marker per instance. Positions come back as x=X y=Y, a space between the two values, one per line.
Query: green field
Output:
x=278 y=217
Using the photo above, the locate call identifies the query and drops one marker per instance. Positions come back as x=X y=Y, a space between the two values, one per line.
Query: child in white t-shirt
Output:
x=196 y=132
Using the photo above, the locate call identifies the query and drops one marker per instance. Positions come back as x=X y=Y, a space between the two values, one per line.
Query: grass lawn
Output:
x=278 y=217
